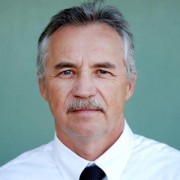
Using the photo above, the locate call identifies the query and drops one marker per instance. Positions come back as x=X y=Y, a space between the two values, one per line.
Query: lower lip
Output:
x=85 y=112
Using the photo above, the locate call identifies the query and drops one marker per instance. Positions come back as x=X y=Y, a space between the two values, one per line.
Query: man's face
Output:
x=86 y=63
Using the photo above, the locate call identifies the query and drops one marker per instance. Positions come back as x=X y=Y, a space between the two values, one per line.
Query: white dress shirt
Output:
x=131 y=157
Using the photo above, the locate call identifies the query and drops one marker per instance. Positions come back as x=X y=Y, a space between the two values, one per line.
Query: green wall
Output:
x=25 y=120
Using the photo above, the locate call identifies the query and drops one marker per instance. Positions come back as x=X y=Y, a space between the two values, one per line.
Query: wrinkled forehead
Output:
x=88 y=41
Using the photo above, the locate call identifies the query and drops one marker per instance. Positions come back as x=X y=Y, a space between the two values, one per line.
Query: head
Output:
x=86 y=73
x=88 y=13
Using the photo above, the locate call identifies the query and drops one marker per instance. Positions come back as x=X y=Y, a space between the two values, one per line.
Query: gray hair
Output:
x=89 y=12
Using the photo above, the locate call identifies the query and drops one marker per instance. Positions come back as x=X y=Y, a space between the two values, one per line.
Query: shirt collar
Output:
x=69 y=163
x=112 y=162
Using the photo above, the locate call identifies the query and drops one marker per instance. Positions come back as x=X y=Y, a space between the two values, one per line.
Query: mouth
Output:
x=85 y=110
x=85 y=113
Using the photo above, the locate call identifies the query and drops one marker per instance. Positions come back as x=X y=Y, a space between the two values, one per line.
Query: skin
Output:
x=86 y=62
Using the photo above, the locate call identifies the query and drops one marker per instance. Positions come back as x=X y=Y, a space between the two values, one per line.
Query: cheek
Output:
x=55 y=98
x=58 y=96
x=115 y=96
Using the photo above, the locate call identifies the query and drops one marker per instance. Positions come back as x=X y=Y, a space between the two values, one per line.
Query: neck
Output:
x=90 y=148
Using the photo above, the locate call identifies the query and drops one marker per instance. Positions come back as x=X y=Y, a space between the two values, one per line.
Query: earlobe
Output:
x=42 y=89
x=130 y=88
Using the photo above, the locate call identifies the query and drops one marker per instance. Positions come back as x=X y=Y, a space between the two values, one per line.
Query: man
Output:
x=86 y=73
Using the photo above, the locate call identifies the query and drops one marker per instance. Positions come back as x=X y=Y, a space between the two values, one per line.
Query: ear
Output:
x=130 y=87
x=42 y=89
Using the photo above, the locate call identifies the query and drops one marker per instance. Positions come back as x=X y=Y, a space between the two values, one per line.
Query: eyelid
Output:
x=103 y=71
x=63 y=70
x=108 y=71
x=68 y=70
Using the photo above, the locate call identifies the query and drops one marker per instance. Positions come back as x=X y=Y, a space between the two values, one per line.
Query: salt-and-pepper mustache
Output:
x=89 y=104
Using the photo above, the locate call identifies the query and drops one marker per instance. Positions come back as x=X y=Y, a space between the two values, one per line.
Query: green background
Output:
x=25 y=120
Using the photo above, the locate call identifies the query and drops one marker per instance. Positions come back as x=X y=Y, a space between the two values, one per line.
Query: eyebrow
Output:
x=96 y=65
x=105 y=65
x=64 y=65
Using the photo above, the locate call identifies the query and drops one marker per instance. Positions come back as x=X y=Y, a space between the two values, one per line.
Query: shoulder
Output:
x=31 y=156
x=28 y=163
x=146 y=145
x=155 y=157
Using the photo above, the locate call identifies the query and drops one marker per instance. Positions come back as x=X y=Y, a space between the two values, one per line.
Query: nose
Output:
x=84 y=86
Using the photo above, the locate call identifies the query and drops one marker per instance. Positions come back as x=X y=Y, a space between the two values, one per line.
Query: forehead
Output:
x=98 y=26
x=85 y=41
x=85 y=32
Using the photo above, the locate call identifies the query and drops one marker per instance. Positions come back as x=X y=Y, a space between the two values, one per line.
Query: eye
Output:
x=67 y=72
x=102 y=71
